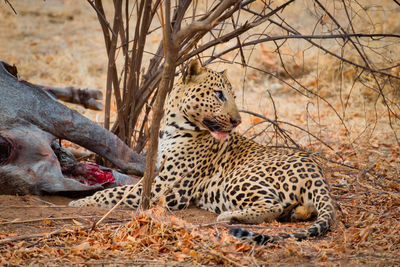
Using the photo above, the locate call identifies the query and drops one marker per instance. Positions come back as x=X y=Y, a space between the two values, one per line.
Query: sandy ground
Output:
x=22 y=215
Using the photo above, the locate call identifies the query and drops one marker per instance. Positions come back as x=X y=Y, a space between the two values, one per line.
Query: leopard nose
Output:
x=235 y=121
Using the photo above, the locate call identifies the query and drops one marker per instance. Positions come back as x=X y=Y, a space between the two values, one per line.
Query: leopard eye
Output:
x=220 y=95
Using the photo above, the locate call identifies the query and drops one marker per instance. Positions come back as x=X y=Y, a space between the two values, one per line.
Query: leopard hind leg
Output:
x=258 y=212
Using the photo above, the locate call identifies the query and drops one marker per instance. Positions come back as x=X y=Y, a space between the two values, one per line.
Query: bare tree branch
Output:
x=203 y=25
x=276 y=124
x=188 y=33
x=8 y=2
x=165 y=86
x=100 y=13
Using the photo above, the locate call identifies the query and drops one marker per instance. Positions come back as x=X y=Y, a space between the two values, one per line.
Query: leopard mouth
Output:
x=216 y=129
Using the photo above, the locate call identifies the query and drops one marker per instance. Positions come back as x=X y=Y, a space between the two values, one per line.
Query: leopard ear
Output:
x=192 y=70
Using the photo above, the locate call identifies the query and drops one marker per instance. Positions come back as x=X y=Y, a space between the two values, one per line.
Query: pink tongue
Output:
x=220 y=135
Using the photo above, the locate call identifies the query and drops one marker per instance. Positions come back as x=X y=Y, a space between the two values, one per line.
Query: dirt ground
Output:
x=21 y=215
x=60 y=43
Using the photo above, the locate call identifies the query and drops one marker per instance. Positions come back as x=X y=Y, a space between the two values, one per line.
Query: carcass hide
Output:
x=30 y=121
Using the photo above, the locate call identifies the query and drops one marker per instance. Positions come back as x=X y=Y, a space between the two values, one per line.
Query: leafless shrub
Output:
x=138 y=77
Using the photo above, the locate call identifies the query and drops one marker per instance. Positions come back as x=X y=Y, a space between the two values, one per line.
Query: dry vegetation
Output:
x=347 y=121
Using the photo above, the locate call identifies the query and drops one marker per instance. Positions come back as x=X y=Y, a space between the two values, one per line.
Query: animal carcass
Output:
x=30 y=121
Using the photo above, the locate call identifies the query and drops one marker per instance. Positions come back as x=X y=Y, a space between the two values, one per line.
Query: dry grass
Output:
x=364 y=234
x=60 y=43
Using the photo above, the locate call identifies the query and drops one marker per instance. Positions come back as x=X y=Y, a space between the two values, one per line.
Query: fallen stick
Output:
x=84 y=97
x=59 y=219
x=31 y=206
x=39 y=220
x=41 y=235
x=23 y=237
x=43 y=201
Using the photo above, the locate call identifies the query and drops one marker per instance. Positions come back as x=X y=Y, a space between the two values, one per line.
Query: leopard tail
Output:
x=323 y=224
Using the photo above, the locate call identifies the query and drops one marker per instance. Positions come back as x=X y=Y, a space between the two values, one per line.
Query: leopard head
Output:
x=208 y=100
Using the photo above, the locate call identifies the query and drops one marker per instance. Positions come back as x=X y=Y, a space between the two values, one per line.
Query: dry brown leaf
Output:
x=83 y=246
x=76 y=222
x=47 y=222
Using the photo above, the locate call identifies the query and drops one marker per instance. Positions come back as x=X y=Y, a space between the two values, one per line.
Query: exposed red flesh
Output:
x=91 y=174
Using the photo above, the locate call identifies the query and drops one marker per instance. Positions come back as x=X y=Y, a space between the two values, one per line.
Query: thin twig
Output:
x=117 y=205
x=43 y=201
x=367 y=65
x=15 y=12
x=230 y=35
x=275 y=123
x=223 y=224
x=101 y=16
x=30 y=207
x=38 y=220
x=33 y=236
x=300 y=36
x=309 y=39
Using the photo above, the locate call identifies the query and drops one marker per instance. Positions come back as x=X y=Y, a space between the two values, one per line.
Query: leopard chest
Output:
x=185 y=153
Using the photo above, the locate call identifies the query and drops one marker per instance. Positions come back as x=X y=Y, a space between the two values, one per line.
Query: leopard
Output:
x=203 y=161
